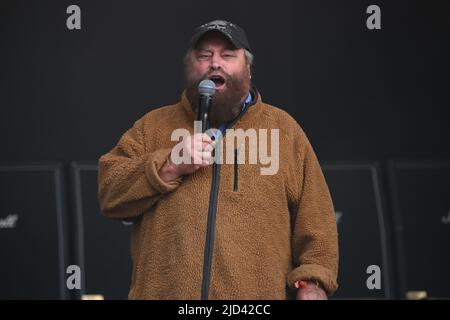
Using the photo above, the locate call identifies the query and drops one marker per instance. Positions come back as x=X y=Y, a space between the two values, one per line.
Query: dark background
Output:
x=360 y=95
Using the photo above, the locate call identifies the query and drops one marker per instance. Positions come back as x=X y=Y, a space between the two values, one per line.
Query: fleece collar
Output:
x=252 y=113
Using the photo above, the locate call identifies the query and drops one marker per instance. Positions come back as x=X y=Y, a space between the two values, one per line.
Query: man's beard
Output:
x=227 y=103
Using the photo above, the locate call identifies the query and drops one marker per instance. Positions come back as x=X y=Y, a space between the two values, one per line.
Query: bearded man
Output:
x=203 y=229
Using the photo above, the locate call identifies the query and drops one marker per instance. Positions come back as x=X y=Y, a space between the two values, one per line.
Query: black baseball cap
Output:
x=231 y=31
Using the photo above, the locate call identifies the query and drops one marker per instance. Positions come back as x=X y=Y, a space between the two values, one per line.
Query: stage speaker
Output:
x=365 y=269
x=102 y=245
x=421 y=199
x=33 y=246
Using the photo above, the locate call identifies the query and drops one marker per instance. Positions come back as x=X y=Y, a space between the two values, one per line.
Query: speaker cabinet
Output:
x=421 y=198
x=363 y=238
x=33 y=248
x=103 y=245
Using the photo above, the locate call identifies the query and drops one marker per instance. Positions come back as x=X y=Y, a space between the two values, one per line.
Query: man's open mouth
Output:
x=218 y=80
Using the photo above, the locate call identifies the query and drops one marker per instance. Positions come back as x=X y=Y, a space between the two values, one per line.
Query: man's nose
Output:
x=216 y=62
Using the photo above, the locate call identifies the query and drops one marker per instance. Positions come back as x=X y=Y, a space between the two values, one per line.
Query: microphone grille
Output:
x=207 y=88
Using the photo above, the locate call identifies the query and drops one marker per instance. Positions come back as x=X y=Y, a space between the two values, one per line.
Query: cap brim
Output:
x=197 y=37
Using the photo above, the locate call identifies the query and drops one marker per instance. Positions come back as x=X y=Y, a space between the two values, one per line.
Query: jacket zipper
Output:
x=210 y=230
x=236 y=171
x=211 y=224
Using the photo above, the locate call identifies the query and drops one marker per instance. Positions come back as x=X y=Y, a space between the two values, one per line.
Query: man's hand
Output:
x=199 y=149
x=311 y=292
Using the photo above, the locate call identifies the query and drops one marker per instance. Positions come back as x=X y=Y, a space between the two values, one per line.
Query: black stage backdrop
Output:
x=365 y=98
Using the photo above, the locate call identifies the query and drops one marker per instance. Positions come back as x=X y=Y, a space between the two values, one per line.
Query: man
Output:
x=210 y=230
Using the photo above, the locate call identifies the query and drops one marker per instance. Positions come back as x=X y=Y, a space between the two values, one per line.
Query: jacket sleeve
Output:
x=128 y=180
x=314 y=238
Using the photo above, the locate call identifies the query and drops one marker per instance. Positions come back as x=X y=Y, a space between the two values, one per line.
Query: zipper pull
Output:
x=236 y=171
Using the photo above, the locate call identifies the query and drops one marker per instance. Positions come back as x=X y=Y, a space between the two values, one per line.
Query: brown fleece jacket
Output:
x=270 y=230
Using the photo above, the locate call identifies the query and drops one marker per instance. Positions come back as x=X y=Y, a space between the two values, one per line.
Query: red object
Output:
x=304 y=284
x=300 y=283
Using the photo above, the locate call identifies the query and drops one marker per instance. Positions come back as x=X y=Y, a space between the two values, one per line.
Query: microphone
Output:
x=206 y=89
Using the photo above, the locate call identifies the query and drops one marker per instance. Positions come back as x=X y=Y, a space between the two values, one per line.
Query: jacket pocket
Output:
x=236 y=172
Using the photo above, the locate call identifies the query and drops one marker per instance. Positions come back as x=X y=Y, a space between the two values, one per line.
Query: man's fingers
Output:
x=202 y=137
x=311 y=294
x=200 y=144
x=197 y=159
x=202 y=157
x=206 y=138
x=209 y=147
x=206 y=154
x=207 y=157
